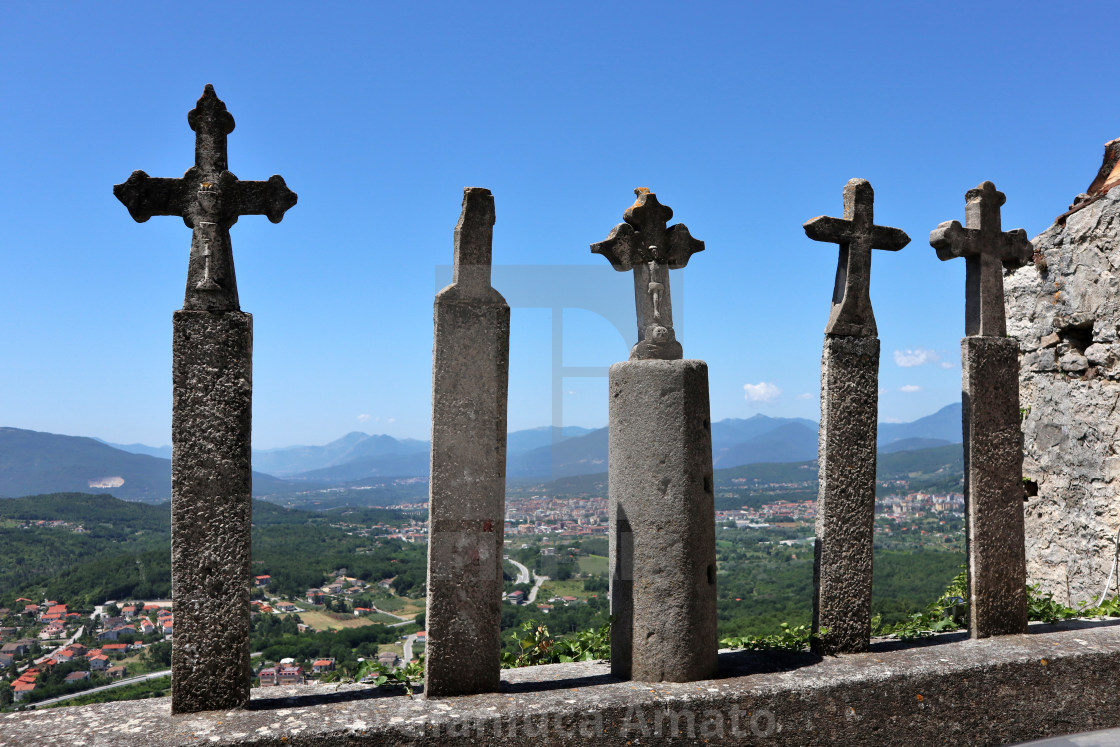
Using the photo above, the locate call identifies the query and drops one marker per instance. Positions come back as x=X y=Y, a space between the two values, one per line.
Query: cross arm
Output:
x=828 y=229
x=1017 y=249
x=888 y=238
x=951 y=240
x=621 y=248
x=681 y=245
x=271 y=198
x=145 y=196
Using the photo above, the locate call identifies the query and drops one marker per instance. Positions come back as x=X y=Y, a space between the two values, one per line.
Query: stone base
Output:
x=993 y=486
x=1059 y=679
x=846 y=504
x=467 y=494
x=663 y=558
x=211 y=509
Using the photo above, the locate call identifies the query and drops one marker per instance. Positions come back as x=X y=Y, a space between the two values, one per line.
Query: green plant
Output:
x=405 y=677
x=537 y=646
x=946 y=613
x=1043 y=608
x=796 y=638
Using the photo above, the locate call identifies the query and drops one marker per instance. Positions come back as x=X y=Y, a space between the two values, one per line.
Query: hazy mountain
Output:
x=352 y=448
x=163 y=452
x=912 y=444
x=945 y=425
x=33 y=463
x=789 y=441
x=520 y=442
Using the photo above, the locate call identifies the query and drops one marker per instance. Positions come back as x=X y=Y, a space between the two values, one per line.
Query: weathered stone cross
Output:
x=845 y=527
x=985 y=248
x=857 y=235
x=645 y=245
x=209 y=199
x=993 y=438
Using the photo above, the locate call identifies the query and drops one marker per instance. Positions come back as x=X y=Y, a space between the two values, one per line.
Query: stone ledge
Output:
x=1057 y=679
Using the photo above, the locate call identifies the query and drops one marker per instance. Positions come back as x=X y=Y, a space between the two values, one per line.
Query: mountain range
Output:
x=34 y=463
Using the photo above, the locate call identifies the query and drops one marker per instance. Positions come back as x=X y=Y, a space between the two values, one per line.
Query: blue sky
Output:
x=746 y=118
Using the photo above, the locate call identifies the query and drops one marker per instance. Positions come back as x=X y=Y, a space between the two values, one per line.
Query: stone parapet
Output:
x=1054 y=680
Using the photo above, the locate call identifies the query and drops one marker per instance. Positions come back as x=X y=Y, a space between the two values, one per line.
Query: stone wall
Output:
x=1065 y=312
x=1054 y=680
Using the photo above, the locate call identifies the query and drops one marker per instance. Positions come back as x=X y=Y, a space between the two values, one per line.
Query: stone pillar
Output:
x=845 y=526
x=993 y=486
x=211 y=509
x=470 y=373
x=662 y=522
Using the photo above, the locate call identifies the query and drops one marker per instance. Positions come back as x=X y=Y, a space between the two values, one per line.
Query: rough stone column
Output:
x=211 y=471
x=211 y=509
x=845 y=528
x=993 y=486
x=993 y=439
x=845 y=532
x=662 y=522
x=470 y=373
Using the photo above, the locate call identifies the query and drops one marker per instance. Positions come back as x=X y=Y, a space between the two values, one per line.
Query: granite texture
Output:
x=857 y=235
x=1064 y=309
x=211 y=508
x=845 y=526
x=662 y=522
x=946 y=690
x=470 y=373
x=993 y=486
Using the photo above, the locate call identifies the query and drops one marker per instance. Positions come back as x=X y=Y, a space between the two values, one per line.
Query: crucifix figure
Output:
x=209 y=199
x=645 y=245
x=986 y=249
x=857 y=235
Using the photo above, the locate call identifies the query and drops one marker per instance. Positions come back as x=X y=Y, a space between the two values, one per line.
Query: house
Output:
x=115 y=648
x=261 y=580
x=314 y=596
x=267 y=677
x=388 y=659
x=146 y=626
x=52 y=631
x=107 y=635
x=290 y=675
x=128 y=611
x=78 y=649
x=286 y=607
x=21 y=689
x=359 y=611
x=6 y=660
x=99 y=662
x=323 y=665
x=76 y=677
x=117 y=673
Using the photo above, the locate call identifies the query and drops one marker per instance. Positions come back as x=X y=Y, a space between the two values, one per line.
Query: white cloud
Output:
x=916 y=357
x=763 y=391
x=364 y=418
x=945 y=364
x=391 y=420
x=910 y=388
x=805 y=395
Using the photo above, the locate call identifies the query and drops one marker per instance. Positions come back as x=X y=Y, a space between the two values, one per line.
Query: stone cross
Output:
x=645 y=245
x=662 y=505
x=845 y=527
x=209 y=199
x=470 y=374
x=985 y=248
x=211 y=420
x=857 y=235
x=993 y=439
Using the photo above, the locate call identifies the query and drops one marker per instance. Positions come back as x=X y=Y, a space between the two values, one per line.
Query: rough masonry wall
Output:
x=1065 y=312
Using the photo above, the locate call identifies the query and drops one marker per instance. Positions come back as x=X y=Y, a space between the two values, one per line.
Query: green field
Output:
x=593 y=565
